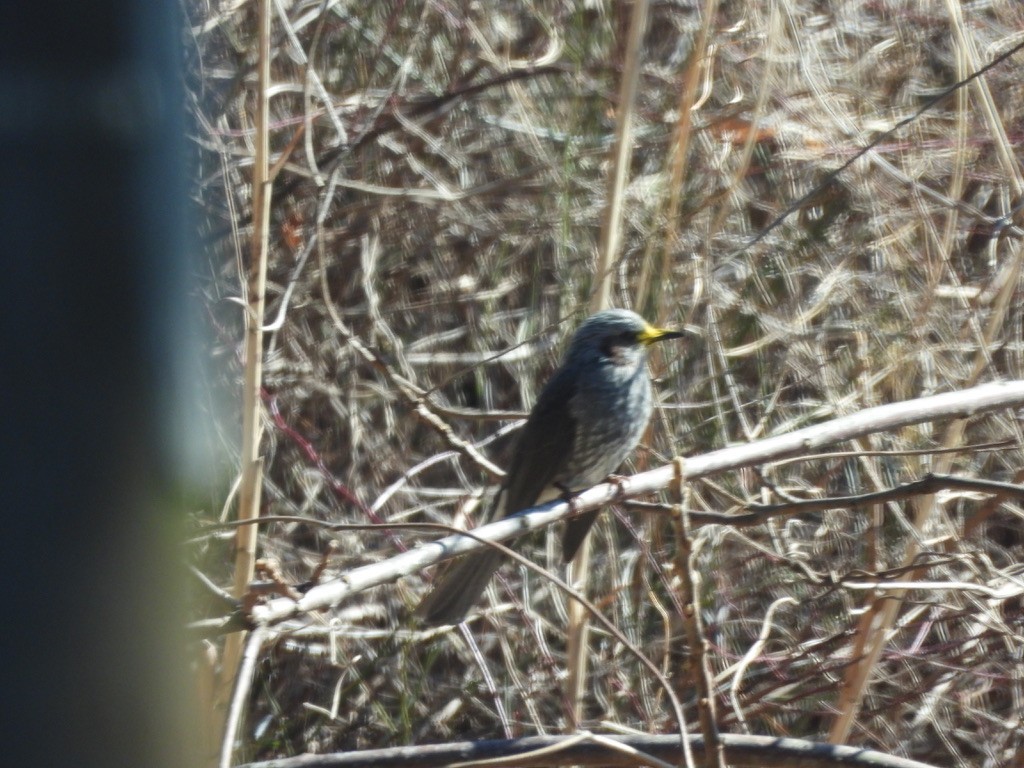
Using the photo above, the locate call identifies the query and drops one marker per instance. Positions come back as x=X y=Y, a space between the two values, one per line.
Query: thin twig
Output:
x=831 y=176
x=689 y=596
x=243 y=681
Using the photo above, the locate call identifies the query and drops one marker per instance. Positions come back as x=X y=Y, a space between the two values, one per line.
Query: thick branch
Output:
x=961 y=404
x=740 y=752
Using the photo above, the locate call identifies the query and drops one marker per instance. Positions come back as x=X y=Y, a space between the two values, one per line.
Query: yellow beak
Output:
x=650 y=334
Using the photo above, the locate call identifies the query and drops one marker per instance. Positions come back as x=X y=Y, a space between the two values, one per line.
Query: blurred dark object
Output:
x=92 y=215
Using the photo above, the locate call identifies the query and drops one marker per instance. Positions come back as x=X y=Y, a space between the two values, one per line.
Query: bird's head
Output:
x=617 y=336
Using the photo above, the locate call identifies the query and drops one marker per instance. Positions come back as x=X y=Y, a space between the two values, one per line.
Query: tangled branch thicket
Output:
x=440 y=192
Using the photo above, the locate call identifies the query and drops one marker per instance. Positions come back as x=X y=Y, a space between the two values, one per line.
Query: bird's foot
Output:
x=569 y=496
x=619 y=481
x=566 y=494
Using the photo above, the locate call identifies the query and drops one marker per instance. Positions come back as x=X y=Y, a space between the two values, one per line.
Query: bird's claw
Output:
x=569 y=497
x=619 y=481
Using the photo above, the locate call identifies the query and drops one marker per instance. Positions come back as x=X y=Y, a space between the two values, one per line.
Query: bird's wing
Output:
x=540 y=455
x=544 y=446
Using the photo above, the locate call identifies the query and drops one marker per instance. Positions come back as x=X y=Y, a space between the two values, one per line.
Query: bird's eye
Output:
x=615 y=345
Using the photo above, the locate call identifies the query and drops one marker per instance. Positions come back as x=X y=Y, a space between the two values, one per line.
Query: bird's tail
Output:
x=459 y=588
x=576 y=531
x=462 y=583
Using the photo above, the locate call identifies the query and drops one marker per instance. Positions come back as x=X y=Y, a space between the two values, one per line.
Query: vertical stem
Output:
x=251 y=463
x=689 y=597
x=680 y=150
x=611 y=234
x=622 y=154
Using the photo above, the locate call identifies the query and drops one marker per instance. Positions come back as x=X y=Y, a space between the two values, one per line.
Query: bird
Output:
x=587 y=420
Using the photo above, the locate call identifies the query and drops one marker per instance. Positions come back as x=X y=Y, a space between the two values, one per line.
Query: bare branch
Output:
x=740 y=751
x=952 y=404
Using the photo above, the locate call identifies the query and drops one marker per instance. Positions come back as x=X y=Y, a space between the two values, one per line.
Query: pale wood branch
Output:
x=961 y=404
x=740 y=752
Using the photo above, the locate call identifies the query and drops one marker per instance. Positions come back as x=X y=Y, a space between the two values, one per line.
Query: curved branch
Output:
x=740 y=752
x=961 y=404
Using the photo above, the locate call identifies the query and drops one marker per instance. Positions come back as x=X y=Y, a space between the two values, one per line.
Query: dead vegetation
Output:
x=439 y=191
